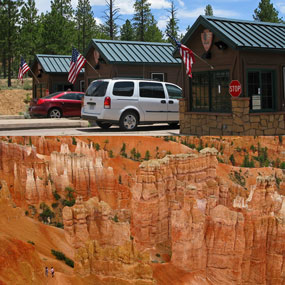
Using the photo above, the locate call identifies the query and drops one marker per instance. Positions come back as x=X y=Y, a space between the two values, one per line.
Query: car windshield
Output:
x=97 y=88
x=51 y=95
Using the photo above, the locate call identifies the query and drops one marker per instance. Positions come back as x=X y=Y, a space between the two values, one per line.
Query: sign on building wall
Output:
x=256 y=102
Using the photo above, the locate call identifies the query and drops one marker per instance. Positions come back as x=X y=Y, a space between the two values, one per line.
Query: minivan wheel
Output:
x=54 y=113
x=104 y=125
x=129 y=121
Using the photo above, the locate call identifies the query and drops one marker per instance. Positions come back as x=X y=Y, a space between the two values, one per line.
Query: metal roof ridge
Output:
x=53 y=55
x=243 y=21
x=131 y=42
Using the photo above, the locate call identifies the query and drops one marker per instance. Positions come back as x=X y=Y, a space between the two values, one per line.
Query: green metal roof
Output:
x=131 y=52
x=240 y=34
x=55 y=63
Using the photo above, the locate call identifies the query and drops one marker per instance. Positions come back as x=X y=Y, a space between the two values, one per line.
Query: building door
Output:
x=260 y=84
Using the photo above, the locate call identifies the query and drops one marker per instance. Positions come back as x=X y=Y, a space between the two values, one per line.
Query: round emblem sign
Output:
x=235 y=88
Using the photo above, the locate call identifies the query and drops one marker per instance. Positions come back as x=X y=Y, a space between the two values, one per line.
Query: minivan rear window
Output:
x=97 y=89
x=125 y=88
x=151 y=90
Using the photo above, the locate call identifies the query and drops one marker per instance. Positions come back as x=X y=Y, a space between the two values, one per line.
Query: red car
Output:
x=57 y=105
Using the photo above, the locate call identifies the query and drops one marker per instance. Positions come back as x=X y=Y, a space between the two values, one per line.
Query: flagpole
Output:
x=35 y=77
x=93 y=68
x=211 y=66
x=179 y=44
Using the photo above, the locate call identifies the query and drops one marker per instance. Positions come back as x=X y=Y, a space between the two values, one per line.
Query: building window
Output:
x=260 y=85
x=210 y=92
x=157 y=76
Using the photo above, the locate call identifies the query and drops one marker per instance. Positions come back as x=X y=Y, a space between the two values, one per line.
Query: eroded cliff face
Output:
x=103 y=243
x=233 y=234
x=33 y=177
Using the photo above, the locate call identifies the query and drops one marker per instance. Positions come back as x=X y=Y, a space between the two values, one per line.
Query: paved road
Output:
x=154 y=130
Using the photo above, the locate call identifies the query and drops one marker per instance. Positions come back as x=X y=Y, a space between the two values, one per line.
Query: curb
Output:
x=16 y=124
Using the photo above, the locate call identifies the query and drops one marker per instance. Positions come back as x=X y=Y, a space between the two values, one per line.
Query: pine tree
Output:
x=29 y=31
x=172 y=23
x=266 y=12
x=86 y=25
x=142 y=18
x=153 y=33
x=3 y=36
x=127 y=32
x=58 y=34
x=209 y=10
x=111 y=15
x=10 y=21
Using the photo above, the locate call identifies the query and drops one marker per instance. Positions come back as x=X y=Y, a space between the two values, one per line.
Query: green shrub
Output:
x=247 y=162
x=31 y=242
x=110 y=152
x=56 y=195
x=59 y=255
x=116 y=219
x=68 y=203
x=237 y=178
x=262 y=157
x=47 y=213
x=97 y=146
x=253 y=148
x=282 y=165
x=59 y=225
x=54 y=205
x=232 y=160
x=74 y=142
x=147 y=155
x=158 y=255
x=120 y=179
x=27 y=86
x=69 y=262
x=220 y=159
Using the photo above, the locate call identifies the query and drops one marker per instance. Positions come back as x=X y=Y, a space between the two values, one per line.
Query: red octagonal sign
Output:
x=235 y=88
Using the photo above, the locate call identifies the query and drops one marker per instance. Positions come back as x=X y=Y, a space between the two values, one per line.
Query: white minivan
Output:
x=129 y=102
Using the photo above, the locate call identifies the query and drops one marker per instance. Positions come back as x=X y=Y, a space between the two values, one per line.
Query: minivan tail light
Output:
x=107 y=103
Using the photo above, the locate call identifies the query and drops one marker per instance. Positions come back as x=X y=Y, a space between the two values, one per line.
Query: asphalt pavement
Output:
x=19 y=126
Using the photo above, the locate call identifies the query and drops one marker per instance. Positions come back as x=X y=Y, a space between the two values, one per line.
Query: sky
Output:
x=187 y=10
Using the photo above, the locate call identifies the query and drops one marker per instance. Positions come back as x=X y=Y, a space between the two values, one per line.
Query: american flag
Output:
x=76 y=64
x=186 y=55
x=23 y=69
x=188 y=58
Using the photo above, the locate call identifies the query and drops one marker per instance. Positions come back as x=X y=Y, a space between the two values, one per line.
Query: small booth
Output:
x=243 y=94
x=109 y=59
x=52 y=73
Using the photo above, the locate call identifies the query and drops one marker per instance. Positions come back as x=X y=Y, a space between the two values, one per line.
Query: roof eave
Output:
x=261 y=49
x=144 y=63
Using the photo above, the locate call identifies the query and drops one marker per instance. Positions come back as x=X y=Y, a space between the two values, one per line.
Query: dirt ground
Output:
x=13 y=100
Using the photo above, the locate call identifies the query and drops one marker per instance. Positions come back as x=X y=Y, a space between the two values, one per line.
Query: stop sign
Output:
x=235 y=88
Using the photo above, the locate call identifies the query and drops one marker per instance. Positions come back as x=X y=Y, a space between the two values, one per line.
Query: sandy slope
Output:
x=12 y=101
